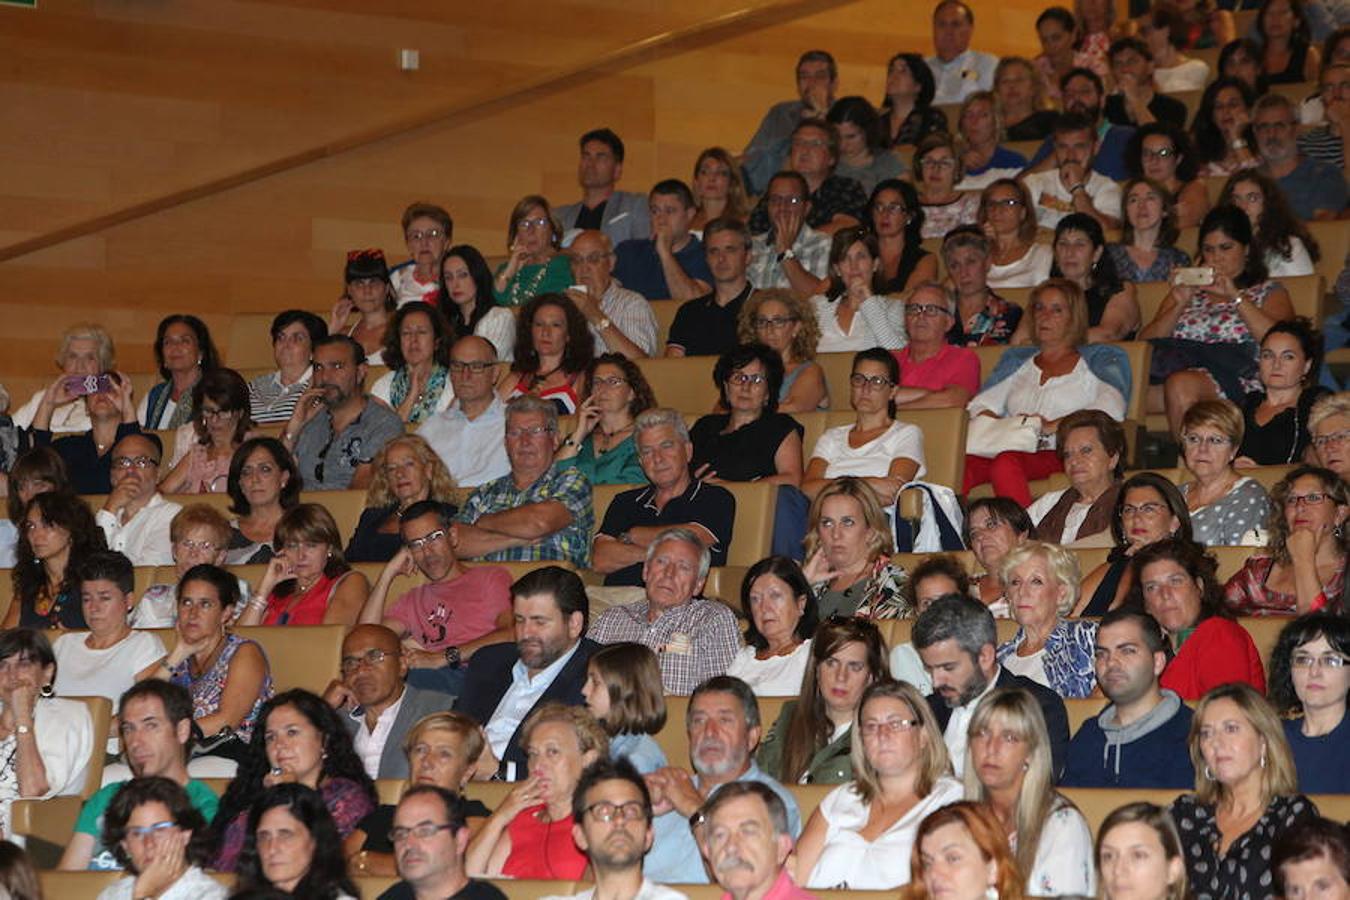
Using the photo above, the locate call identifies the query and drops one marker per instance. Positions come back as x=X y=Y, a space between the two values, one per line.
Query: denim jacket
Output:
x=1068 y=656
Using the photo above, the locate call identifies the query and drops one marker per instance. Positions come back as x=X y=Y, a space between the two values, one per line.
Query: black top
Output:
x=474 y=890
x=710 y=505
x=368 y=543
x=1035 y=127
x=1100 y=604
x=89 y=472
x=917 y=125
x=745 y=454
x=835 y=195
x=1285 y=437
x=1164 y=108
x=377 y=824
x=67 y=612
x=914 y=253
x=702 y=328
x=1244 y=871
x=591 y=218
x=1293 y=72
x=1052 y=709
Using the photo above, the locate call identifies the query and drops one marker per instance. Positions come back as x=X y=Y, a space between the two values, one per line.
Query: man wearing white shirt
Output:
x=958 y=70
x=135 y=518
x=1073 y=185
x=467 y=435
x=621 y=321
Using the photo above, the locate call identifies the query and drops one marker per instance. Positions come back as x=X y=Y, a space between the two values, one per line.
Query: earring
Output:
x=1209 y=776
x=1263 y=757
x=47 y=692
x=1026 y=766
x=1339 y=530
x=991 y=892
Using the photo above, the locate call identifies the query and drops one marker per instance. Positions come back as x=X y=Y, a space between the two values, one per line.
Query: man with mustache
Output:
x=1085 y=95
x=429 y=837
x=747 y=839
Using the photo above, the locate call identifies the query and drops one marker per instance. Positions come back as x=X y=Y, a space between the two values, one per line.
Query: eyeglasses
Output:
x=613 y=381
x=1326 y=440
x=532 y=224
x=1161 y=153
x=1293 y=501
x=889 y=726
x=925 y=309
x=370 y=658
x=858 y=380
x=896 y=208
x=604 y=811
x=1211 y=440
x=929 y=163
x=474 y=368
x=774 y=322
x=215 y=415
x=1325 y=660
x=428 y=234
x=192 y=546
x=1143 y=509
x=398 y=834
x=424 y=540
x=141 y=832
x=516 y=434
x=746 y=378
x=134 y=462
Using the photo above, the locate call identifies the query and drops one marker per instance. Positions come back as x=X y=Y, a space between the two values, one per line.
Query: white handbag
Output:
x=990 y=436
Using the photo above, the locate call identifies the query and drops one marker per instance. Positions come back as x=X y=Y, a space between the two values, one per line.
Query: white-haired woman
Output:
x=85 y=350
x=1042 y=583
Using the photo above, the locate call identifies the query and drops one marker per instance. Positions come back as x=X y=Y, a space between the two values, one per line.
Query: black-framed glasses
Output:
x=604 y=811
x=398 y=834
x=858 y=380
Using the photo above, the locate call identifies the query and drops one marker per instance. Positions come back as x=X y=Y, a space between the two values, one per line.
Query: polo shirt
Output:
x=951 y=366
x=637 y=266
x=703 y=328
x=710 y=505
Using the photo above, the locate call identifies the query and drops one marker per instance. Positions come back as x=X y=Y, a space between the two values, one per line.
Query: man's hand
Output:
x=1072 y=173
x=787 y=224
x=339 y=696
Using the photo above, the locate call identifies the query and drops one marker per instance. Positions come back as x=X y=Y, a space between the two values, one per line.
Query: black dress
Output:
x=1244 y=871
x=746 y=454
x=1284 y=438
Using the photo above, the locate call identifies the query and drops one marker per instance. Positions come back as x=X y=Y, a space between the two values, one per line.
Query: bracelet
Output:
x=1076 y=188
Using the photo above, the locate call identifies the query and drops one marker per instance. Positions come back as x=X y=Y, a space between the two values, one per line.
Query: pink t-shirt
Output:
x=455 y=612
x=952 y=366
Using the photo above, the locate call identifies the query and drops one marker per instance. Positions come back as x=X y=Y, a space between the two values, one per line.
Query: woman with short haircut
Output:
x=862 y=834
x=623 y=691
x=1274 y=431
x=983 y=158
x=183 y=351
x=371 y=295
x=86 y=349
x=1221 y=130
x=554 y=350
x=159 y=837
x=263 y=484
x=780 y=613
x=1162 y=153
x=1279 y=236
x=1139 y=855
x=308 y=582
x=907 y=110
x=56 y=530
x=1021 y=100
x=1148 y=508
x=811 y=743
x=937 y=170
x=417 y=352
x=204 y=448
x=1007 y=215
x=1312 y=859
x=1329 y=425
x=961 y=853
x=787 y=325
x=1309 y=680
x=292 y=845
x=1246 y=793
x=848 y=554
x=862 y=154
x=407 y=471
x=896 y=218
x=200 y=534
x=536 y=265
x=467 y=302
x=719 y=191
x=1224 y=504
x=604 y=445
x=272 y=396
x=1147 y=250
x=983 y=318
x=1288 y=55
x=1091 y=449
x=1042 y=582
x=855 y=315
x=994 y=526
x=752 y=441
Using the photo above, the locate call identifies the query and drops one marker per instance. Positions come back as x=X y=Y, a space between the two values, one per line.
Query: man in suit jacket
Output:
x=547 y=663
x=956 y=639
x=381 y=707
x=620 y=215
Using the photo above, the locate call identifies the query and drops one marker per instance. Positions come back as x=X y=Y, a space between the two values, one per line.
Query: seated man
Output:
x=933 y=373
x=546 y=662
x=635 y=518
x=380 y=708
x=1139 y=741
x=956 y=639
x=1073 y=185
x=619 y=214
x=155 y=724
x=958 y=70
x=670 y=264
x=467 y=435
x=429 y=230
x=695 y=638
x=817 y=79
x=337 y=429
x=430 y=835
x=706 y=326
x=456 y=611
x=724 y=730
x=621 y=320
x=136 y=519
x=748 y=842
x=836 y=201
x=791 y=254
x=536 y=512
x=1314 y=189
x=1085 y=95
x=1138 y=103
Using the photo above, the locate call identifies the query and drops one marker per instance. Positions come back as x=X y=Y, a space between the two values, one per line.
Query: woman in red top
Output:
x=307 y=582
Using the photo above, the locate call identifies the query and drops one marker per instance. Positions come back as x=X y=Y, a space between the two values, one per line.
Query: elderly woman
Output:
x=1147 y=250
x=1038 y=390
x=86 y=350
x=1175 y=583
x=264 y=483
x=204 y=448
x=1224 y=504
x=881 y=451
x=937 y=169
x=811 y=743
x=1309 y=679
x=1221 y=130
x=862 y=834
x=862 y=155
x=983 y=318
x=183 y=351
x=848 y=546
x=291 y=845
x=467 y=302
x=533 y=238
x=1042 y=583
x=407 y=471
x=603 y=445
x=1091 y=448
x=370 y=294
x=1148 y=508
x=907 y=111
x=1007 y=216
x=933 y=373
x=855 y=315
x=55 y=532
x=426 y=230
x=1008 y=767
x=160 y=839
x=1139 y=855
x=530 y=834
x=983 y=158
x=198 y=534
x=780 y=611
x=1329 y=424
x=961 y=853
x=938 y=575
x=752 y=442
x=1246 y=793
x=308 y=582
x=1278 y=235
x=1288 y=54
x=553 y=351
x=994 y=526
x=719 y=191
x=1080 y=257
x=1303 y=568
x=1021 y=102
x=897 y=219
x=1273 y=433
x=623 y=690
x=417 y=352
x=1162 y=153
x=1311 y=858
x=272 y=396
x=787 y=325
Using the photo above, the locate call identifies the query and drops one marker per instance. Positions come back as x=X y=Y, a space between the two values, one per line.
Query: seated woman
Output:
x=46 y=742
x=1139 y=854
x=1007 y=216
x=937 y=169
x=896 y=217
x=1309 y=680
x=1147 y=250
x=623 y=691
x=199 y=534
x=855 y=315
x=938 y=575
x=1168 y=33
x=530 y=834
x=780 y=614
x=553 y=351
x=1221 y=131
x=1026 y=114
x=407 y=471
x=1091 y=449
x=183 y=351
x=1148 y=508
x=1303 y=568
x=299 y=740
x=862 y=154
x=1278 y=235
x=983 y=318
x=535 y=266
x=1043 y=583
x=204 y=448
x=1309 y=858
x=1329 y=424
x=467 y=302
x=371 y=295
x=308 y=582
x=264 y=483
x=1041 y=388
x=961 y=853
x=291 y=845
x=1204 y=338
x=1248 y=795
x=603 y=445
x=161 y=840
x=719 y=191
x=811 y=741
x=1080 y=257
x=983 y=158
x=1162 y=153
x=933 y=373
x=1224 y=504
x=862 y=835
x=994 y=526
x=848 y=547
x=272 y=396
x=1175 y=582
x=787 y=325
x=1063 y=49
x=417 y=352
x=907 y=111
x=88 y=456
x=1242 y=59
x=56 y=530
x=752 y=442
x=881 y=451
x=1290 y=358
x=37 y=471
x=86 y=349
x=1288 y=55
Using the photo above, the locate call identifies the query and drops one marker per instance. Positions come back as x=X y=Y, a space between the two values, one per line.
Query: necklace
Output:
x=519 y=292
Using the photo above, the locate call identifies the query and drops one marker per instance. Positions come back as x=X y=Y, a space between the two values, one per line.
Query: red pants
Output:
x=1010 y=471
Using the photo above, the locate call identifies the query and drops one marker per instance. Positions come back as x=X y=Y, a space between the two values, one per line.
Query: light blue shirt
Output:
x=9 y=538
x=519 y=699
x=641 y=750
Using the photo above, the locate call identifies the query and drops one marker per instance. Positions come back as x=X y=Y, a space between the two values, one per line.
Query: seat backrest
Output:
x=665 y=311
x=1333 y=239
x=249 y=341
x=300 y=656
x=944 y=439
x=100 y=712
x=344 y=506
x=684 y=383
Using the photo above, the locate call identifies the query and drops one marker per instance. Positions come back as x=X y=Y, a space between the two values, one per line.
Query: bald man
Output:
x=621 y=320
x=380 y=706
x=135 y=518
x=467 y=435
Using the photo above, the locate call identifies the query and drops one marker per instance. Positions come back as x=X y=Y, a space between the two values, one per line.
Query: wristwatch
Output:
x=786 y=255
x=603 y=324
x=625 y=537
x=452 y=659
x=22 y=729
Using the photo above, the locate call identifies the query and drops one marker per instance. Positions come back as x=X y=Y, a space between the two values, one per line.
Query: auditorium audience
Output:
x=1042 y=583
x=88 y=456
x=430 y=852
x=1139 y=854
x=534 y=238
x=200 y=534
x=1147 y=250
x=1073 y=183
x=554 y=348
x=619 y=214
x=1022 y=103
x=983 y=318
x=291 y=845
x=1224 y=504
x=37 y=471
x=897 y=219
x=1315 y=189
x=1091 y=450
x=670 y=264
x=1287 y=365
x=204 y=447
x=1283 y=241
x=1009 y=221
x=263 y=485
x=603 y=446
x=787 y=325
x=937 y=170
x=781 y=617
x=56 y=532
x=863 y=155
x=907 y=114
x=719 y=190
x=427 y=231
x=848 y=554
x=961 y=852
x=1135 y=101
x=417 y=352
x=1288 y=55
x=1148 y=508
x=1221 y=130
x=183 y=351
x=273 y=395
x=1169 y=32
x=619 y=317
x=466 y=300
x=623 y=691
x=467 y=435
x=407 y=471
x=749 y=840
x=933 y=373
x=1084 y=94
x=765 y=154
x=372 y=296
x=1329 y=424
x=1327 y=140
x=161 y=839
x=86 y=349
x=753 y=441
x=994 y=526
x=1080 y=256
x=937 y=576
x=706 y=326
x=835 y=202
x=308 y=581
x=956 y=68
x=135 y=517
x=1308 y=685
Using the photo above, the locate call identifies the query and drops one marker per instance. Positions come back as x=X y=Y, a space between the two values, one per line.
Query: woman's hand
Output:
x=858 y=290
x=521 y=797
x=514 y=262
x=56 y=393
x=167 y=866
x=342 y=311
x=1302 y=545
x=279 y=568
x=185 y=649
x=588 y=416
x=819 y=568
x=1222 y=291
x=707 y=473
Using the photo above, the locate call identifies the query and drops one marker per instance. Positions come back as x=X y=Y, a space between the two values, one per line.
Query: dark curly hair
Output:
x=1274 y=231
x=1187 y=166
x=440 y=329
x=155 y=789
x=936 y=564
x=65 y=511
x=913 y=208
x=483 y=300
x=1209 y=142
x=1305 y=629
x=739 y=357
x=1233 y=222
x=1277 y=527
x=290 y=491
x=578 y=352
x=326 y=878
x=643 y=396
x=790 y=573
x=1197 y=563
x=210 y=356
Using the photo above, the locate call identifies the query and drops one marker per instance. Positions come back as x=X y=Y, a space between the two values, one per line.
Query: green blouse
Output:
x=531 y=281
x=831 y=764
x=618 y=465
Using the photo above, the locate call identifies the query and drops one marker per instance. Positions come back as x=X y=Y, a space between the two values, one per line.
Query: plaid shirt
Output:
x=812 y=249
x=566 y=486
x=694 y=641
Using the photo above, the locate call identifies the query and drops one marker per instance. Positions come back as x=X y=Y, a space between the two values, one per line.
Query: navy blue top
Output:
x=1003 y=158
x=1159 y=759
x=638 y=267
x=1320 y=761
x=1110 y=159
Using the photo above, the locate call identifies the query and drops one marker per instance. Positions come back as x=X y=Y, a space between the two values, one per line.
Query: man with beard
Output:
x=724 y=730
x=612 y=824
x=336 y=430
x=429 y=837
x=1139 y=741
x=547 y=662
x=748 y=844
x=956 y=639
x=1085 y=95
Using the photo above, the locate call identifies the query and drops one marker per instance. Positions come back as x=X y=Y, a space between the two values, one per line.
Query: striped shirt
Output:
x=271 y=401
x=1320 y=143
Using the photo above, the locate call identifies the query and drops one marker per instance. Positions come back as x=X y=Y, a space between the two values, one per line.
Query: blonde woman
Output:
x=848 y=554
x=787 y=325
x=718 y=189
x=407 y=471
x=1042 y=584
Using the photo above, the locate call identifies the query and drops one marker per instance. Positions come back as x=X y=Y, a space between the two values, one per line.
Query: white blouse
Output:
x=1063 y=864
x=872 y=459
x=1298 y=263
x=1022 y=394
x=1191 y=75
x=1029 y=271
x=879 y=322
x=777 y=676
